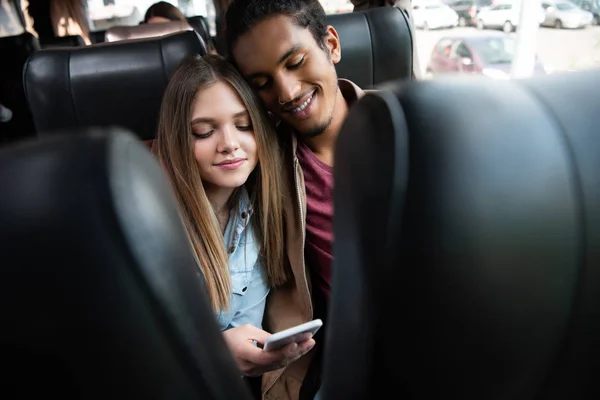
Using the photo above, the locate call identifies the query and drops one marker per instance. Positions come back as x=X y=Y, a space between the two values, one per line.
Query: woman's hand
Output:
x=254 y=361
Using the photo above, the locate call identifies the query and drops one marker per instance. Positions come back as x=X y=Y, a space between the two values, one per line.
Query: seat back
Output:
x=15 y=50
x=98 y=36
x=200 y=25
x=62 y=41
x=466 y=259
x=100 y=293
x=117 y=33
x=376 y=46
x=105 y=84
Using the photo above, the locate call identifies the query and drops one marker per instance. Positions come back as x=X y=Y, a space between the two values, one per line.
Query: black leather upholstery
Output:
x=376 y=46
x=476 y=274
x=106 y=84
x=14 y=52
x=100 y=295
x=62 y=41
x=98 y=36
x=200 y=25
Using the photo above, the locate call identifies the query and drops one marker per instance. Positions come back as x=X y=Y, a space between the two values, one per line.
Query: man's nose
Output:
x=287 y=88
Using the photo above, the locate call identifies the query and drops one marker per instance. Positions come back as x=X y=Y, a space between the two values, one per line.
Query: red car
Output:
x=484 y=53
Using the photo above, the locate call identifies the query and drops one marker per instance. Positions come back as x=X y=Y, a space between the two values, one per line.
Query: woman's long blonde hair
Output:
x=174 y=148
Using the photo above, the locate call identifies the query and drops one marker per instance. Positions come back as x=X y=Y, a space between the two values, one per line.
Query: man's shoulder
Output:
x=350 y=90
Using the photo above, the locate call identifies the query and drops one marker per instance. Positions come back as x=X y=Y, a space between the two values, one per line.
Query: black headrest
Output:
x=105 y=84
x=466 y=257
x=376 y=46
x=200 y=25
x=15 y=50
x=98 y=36
x=61 y=41
x=100 y=294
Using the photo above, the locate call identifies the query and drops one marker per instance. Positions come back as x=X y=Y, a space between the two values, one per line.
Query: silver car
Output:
x=564 y=14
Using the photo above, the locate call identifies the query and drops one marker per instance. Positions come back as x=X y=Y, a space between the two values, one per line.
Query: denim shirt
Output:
x=249 y=282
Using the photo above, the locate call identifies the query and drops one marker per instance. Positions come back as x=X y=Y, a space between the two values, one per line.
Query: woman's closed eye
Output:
x=244 y=127
x=202 y=135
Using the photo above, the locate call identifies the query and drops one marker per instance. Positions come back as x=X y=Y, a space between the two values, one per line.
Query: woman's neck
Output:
x=219 y=199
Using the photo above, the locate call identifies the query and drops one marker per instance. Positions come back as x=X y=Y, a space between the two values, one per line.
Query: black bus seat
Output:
x=109 y=84
x=376 y=44
x=14 y=52
x=100 y=293
x=466 y=256
x=61 y=41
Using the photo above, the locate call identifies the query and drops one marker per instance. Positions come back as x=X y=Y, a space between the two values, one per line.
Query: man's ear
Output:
x=332 y=41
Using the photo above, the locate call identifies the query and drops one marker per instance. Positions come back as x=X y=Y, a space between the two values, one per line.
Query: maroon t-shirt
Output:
x=318 y=180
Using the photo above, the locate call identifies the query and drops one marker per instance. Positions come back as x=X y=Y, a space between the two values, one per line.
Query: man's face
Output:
x=292 y=74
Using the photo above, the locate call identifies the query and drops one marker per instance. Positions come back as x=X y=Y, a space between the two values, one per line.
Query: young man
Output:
x=287 y=52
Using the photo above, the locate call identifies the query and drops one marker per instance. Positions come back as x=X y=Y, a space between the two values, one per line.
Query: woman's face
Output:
x=224 y=143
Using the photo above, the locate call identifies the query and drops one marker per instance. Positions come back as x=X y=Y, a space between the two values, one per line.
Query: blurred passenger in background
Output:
x=166 y=12
x=163 y=12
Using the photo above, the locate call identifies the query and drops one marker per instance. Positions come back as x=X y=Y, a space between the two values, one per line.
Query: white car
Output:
x=433 y=14
x=564 y=14
x=503 y=15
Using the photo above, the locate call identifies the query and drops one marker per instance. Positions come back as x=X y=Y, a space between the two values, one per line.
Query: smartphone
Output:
x=296 y=334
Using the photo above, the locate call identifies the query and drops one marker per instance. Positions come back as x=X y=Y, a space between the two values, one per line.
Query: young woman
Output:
x=219 y=148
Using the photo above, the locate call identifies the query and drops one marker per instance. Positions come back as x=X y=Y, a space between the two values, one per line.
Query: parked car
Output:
x=592 y=6
x=564 y=14
x=467 y=10
x=503 y=15
x=488 y=53
x=433 y=14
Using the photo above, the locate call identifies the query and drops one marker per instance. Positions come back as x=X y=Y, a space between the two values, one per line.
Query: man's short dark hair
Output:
x=243 y=15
